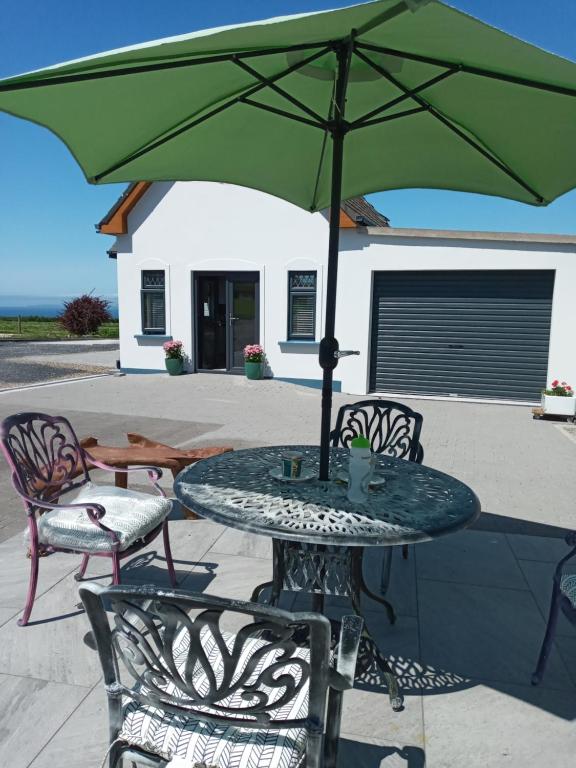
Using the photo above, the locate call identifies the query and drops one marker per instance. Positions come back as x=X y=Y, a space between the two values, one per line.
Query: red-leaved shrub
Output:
x=84 y=315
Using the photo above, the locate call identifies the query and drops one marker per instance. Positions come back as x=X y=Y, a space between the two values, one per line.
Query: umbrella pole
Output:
x=328 y=357
x=329 y=345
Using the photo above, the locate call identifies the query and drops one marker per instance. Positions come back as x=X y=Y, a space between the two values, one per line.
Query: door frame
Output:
x=230 y=277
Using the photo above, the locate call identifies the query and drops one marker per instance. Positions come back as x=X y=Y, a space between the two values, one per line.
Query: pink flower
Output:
x=173 y=348
x=253 y=353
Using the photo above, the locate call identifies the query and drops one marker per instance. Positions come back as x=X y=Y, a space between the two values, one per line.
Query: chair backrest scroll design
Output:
x=392 y=428
x=187 y=665
x=44 y=455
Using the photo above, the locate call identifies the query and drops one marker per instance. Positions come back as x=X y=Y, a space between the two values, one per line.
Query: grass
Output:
x=48 y=328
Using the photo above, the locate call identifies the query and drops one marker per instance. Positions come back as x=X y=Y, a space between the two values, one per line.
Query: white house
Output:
x=486 y=315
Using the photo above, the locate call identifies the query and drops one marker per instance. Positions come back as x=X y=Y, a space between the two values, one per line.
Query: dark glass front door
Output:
x=226 y=319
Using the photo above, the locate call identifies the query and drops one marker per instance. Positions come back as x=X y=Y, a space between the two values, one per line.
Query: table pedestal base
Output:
x=322 y=570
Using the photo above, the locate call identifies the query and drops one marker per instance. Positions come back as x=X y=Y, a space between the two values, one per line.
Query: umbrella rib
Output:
x=388 y=118
x=176 y=131
x=281 y=112
x=399 y=99
x=470 y=70
x=323 y=149
x=280 y=91
x=500 y=164
x=140 y=69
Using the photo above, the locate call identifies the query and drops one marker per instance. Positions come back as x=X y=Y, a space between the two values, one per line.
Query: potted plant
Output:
x=253 y=361
x=558 y=399
x=174 y=357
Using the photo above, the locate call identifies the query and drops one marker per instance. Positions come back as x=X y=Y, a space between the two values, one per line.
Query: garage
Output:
x=478 y=334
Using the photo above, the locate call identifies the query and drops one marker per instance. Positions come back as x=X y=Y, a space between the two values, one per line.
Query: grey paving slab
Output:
x=233 y=542
x=32 y=712
x=470 y=557
x=506 y=727
x=567 y=648
x=83 y=738
x=365 y=752
x=539 y=577
x=484 y=632
x=8 y=614
x=51 y=647
x=542 y=548
x=15 y=570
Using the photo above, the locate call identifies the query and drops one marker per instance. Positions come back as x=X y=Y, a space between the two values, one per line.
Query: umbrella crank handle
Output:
x=345 y=353
x=330 y=353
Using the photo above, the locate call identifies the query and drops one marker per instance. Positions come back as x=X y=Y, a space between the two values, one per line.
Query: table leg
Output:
x=370 y=659
x=121 y=479
x=321 y=571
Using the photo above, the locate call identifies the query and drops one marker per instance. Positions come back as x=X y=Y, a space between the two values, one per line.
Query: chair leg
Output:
x=34 y=560
x=168 y=553
x=115 y=568
x=82 y=570
x=548 y=637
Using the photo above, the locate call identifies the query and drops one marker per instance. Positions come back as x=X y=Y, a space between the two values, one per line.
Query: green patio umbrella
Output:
x=321 y=107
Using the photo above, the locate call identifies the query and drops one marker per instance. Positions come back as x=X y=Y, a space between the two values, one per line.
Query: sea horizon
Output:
x=12 y=305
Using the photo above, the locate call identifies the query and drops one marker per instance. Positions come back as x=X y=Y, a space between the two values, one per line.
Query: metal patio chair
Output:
x=563 y=599
x=180 y=686
x=47 y=462
x=393 y=429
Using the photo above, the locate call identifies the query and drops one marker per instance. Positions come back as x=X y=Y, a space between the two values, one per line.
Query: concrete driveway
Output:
x=33 y=362
x=472 y=606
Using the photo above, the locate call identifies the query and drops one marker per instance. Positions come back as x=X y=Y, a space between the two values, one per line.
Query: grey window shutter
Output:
x=302 y=319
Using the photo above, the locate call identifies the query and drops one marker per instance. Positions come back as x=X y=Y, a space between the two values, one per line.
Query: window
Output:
x=153 y=302
x=302 y=305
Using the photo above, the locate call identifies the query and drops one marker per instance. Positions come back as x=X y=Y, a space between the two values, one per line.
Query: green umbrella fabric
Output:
x=435 y=98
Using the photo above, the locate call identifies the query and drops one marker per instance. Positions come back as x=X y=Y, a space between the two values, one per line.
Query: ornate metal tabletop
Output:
x=414 y=504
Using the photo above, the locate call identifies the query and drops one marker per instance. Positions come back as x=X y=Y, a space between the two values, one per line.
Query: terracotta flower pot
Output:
x=253 y=370
x=174 y=365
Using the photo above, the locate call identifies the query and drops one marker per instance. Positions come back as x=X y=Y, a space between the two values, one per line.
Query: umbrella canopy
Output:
x=434 y=99
x=319 y=107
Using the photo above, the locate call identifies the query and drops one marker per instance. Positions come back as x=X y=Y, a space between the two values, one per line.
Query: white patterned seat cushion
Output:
x=130 y=514
x=188 y=739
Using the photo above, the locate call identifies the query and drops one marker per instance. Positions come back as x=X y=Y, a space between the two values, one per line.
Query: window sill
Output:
x=152 y=337
x=303 y=346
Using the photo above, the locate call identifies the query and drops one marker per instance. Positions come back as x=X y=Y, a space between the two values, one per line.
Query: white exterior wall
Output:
x=204 y=226
x=361 y=254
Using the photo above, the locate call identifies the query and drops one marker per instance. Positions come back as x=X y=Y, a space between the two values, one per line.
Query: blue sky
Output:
x=48 y=244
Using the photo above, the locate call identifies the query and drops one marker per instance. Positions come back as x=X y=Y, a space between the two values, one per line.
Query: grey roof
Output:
x=364 y=214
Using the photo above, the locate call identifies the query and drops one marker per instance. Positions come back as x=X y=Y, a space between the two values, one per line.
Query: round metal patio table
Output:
x=319 y=536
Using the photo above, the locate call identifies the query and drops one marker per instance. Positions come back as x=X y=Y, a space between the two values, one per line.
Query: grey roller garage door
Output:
x=470 y=334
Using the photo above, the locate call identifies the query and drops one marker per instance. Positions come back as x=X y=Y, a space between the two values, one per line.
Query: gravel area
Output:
x=25 y=363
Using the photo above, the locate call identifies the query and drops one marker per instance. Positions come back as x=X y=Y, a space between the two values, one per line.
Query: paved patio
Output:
x=471 y=607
